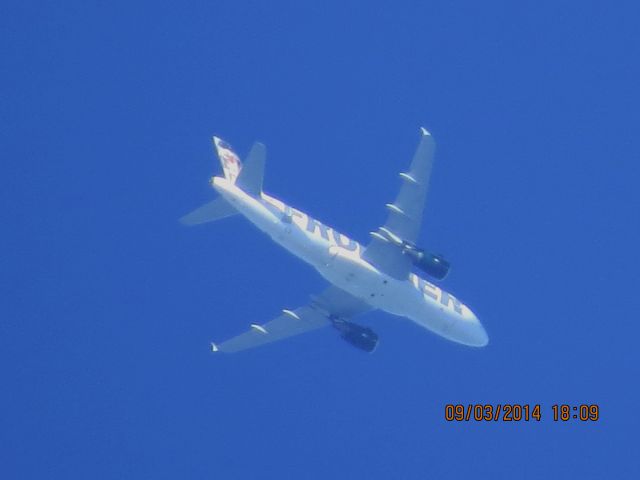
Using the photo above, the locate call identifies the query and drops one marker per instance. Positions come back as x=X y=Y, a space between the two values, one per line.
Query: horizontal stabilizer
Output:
x=252 y=173
x=209 y=212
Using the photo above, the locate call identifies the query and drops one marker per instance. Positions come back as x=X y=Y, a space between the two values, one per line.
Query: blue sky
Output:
x=108 y=304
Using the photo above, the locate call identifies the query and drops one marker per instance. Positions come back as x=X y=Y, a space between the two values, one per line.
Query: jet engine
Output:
x=360 y=337
x=434 y=265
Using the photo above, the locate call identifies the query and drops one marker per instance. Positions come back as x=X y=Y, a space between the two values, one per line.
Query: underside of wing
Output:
x=331 y=306
x=287 y=324
x=404 y=217
x=388 y=258
x=405 y=213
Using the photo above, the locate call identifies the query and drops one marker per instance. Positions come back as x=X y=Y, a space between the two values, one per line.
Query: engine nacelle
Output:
x=360 y=337
x=433 y=265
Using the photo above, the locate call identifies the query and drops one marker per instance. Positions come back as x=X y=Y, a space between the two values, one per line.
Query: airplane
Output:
x=378 y=276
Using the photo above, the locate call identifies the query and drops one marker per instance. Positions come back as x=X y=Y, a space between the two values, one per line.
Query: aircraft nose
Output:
x=471 y=332
x=481 y=339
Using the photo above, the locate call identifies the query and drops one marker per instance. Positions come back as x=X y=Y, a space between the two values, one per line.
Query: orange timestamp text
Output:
x=518 y=412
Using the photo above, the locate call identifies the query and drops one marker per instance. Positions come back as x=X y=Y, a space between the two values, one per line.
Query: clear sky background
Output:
x=108 y=304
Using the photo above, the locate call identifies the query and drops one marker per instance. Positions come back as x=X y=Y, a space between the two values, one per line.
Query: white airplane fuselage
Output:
x=339 y=260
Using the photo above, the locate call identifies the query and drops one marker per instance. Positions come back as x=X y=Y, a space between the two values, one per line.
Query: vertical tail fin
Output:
x=249 y=176
x=231 y=164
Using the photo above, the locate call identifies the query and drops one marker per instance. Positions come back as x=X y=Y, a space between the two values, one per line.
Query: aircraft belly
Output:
x=438 y=320
x=356 y=276
x=252 y=209
x=348 y=271
x=295 y=240
x=300 y=243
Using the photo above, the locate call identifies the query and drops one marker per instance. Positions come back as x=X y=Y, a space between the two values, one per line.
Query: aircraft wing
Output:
x=405 y=214
x=332 y=303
